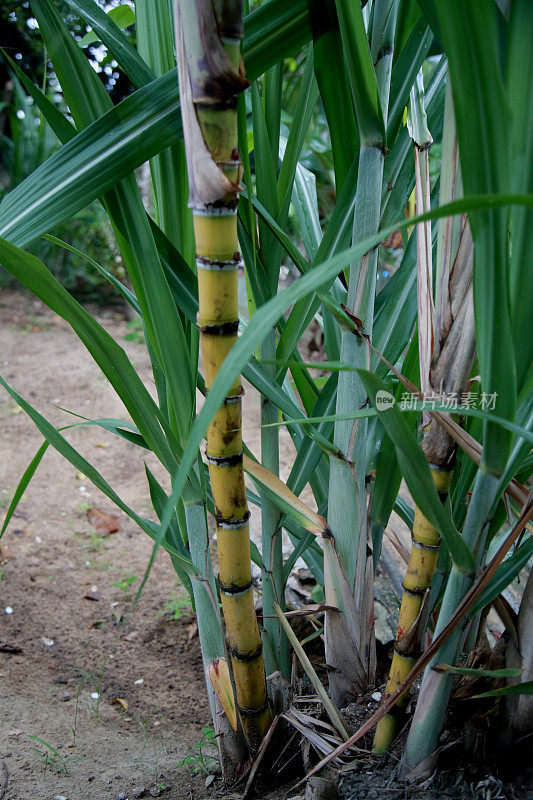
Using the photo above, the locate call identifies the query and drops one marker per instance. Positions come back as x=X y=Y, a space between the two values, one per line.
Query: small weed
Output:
x=94 y=681
x=145 y=724
x=97 y=542
x=126 y=582
x=176 y=607
x=75 y=726
x=51 y=757
x=92 y=544
x=153 y=753
x=205 y=759
x=103 y=566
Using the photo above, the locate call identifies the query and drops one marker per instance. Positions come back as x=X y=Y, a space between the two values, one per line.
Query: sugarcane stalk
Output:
x=432 y=703
x=210 y=76
x=349 y=635
x=447 y=345
x=518 y=711
x=210 y=632
x=422 y=562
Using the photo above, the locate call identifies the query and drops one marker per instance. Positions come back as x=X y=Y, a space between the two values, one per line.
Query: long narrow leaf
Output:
x=114 y=39
x=29 y=472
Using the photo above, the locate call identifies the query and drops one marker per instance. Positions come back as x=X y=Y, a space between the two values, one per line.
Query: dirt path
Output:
x=53 y=563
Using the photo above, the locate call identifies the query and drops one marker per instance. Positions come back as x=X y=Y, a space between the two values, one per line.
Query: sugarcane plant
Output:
x=238 y=167
x=349 y=634
x=504 y=359
x=446 y=352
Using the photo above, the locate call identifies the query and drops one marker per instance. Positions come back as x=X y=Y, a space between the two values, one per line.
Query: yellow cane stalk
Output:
x=420 y=571
x=210 y=75
x=217 y=262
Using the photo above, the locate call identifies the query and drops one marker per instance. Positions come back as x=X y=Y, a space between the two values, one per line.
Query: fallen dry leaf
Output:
x=131 y=636
x=121 y=702
x=102 y=522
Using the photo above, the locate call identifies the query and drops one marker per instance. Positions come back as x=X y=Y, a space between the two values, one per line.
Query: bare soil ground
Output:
x=63 y=583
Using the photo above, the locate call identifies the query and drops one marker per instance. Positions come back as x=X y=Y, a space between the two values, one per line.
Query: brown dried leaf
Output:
x=102 y=522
